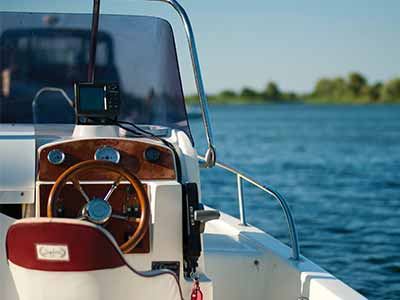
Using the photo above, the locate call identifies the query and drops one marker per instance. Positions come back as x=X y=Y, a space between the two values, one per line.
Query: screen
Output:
x=91 y=99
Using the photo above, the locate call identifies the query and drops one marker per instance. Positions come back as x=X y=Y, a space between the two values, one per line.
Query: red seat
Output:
x=71 y=259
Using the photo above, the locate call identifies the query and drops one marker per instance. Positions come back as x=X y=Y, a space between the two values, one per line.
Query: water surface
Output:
x=338 y=167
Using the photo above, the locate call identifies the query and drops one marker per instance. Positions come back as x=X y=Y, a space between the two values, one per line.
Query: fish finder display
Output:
x=92 y=99
x=97 y=100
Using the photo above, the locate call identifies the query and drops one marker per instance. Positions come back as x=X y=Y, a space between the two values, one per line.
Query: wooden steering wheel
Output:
x=99 y=211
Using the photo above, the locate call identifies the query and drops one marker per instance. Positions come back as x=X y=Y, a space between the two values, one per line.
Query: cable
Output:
x=139 y=132
x=142 y=132
x=151 y=135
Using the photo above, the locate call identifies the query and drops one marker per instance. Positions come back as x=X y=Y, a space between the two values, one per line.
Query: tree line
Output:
x=352 y=89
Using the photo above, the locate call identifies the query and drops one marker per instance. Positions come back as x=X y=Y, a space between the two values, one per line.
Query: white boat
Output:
x=100 y=180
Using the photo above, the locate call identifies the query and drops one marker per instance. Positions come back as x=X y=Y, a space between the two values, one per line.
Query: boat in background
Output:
x=100 y=180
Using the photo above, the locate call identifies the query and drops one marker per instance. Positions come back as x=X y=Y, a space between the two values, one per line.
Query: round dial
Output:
x=107 y=153
x=56 y=157
x=152 y=154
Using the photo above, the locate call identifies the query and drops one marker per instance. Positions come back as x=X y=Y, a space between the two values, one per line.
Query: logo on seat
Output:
x=52 y=252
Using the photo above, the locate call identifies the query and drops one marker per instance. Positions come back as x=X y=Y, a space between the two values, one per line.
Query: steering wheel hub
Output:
x=98 y=211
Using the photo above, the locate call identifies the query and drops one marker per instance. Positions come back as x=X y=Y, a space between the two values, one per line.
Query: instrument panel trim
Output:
x=132 y=158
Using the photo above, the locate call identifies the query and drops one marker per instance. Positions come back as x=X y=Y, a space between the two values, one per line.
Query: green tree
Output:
x=272 y=91
x=331 y=89
x=228 y=94
x=324 y=87
x=356 y=82
x=391 y=90
x=374 y=92
x=339 y=88
x=248 y=93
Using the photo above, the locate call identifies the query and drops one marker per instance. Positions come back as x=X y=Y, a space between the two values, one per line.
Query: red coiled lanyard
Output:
x=197 y=294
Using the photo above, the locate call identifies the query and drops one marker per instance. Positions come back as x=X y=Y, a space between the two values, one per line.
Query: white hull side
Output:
x=246 y=263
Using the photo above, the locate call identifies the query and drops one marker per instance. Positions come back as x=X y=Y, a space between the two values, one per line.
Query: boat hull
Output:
x=247 y=263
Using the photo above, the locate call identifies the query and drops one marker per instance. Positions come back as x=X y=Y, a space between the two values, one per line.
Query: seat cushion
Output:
x=68 y=259
x=61 y=246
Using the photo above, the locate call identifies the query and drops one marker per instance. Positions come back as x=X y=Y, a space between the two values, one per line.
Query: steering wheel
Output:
x=100 y=211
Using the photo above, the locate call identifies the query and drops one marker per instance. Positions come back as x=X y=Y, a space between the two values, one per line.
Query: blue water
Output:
x=338 y=167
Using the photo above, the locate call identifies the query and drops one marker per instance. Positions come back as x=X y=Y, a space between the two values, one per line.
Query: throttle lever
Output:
x=203 y=216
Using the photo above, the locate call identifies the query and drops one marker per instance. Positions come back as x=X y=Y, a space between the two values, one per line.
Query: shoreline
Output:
x=352 y=89
x=212 y=100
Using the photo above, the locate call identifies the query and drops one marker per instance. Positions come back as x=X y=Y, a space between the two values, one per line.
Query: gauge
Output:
x=107 y=153
x=152 y=154
x=56 y=157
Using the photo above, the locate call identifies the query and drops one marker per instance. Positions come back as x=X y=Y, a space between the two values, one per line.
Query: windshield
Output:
x=49 y=52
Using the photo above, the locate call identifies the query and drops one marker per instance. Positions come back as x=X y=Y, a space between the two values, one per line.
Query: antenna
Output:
x=93 y=40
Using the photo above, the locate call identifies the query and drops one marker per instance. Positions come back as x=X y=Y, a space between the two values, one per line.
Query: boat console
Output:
x=146 y=160
x=130 y=186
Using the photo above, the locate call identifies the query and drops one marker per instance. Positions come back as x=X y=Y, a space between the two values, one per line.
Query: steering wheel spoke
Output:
x=112 y=189
x=79 y=187
x=125 y=218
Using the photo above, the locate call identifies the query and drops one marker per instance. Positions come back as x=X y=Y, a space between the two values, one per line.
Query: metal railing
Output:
x=49 y=89
x=294 y=240
x=209 y=159
x=210 y=155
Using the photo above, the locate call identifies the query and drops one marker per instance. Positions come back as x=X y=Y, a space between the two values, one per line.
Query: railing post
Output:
x=294 y=239
x=210 y=155
x=241 y=200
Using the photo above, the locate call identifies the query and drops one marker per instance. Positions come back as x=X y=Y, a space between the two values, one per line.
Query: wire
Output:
x=151 y=135
x=139 y=132
x=142 y=132
x=146 y=133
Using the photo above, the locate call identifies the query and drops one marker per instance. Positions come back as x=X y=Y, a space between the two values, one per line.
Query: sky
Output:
x=292 y=42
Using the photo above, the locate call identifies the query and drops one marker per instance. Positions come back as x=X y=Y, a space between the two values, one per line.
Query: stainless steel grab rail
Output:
x=210 y=155
x=294 y=240
x=209 y=160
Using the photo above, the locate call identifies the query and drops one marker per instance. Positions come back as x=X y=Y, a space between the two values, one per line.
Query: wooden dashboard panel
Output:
x=132 y=159
x=71 y=202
